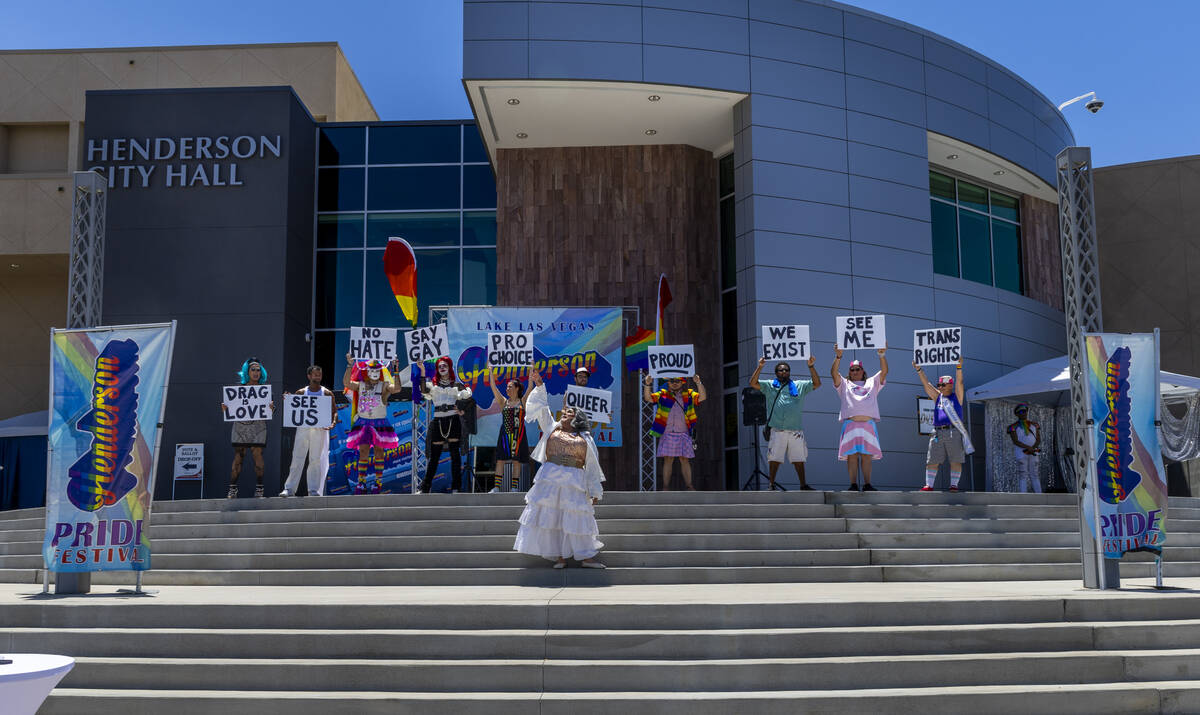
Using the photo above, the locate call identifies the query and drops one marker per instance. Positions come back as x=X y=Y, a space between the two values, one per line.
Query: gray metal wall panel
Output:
x=798 y=148
x=887 y=230
x=1000 y=80
x=697 y=30
x=736 y=8
x=885 y=65
x=873 y=261
x=715 y=70
x=793 y=44
x=829 y=255
x=799 y=182
x=585 y=60
x=893 y=298
x=955 y=60
x=809 y=16
x=887 y=133
x=882 y=34
x=794 y=285
x=793 y=114
x=956 y=89
x=585 y=22
x=1008 y=113
x=889 y=197
x=786 y=79
x=1011 y=146
x=879 y=163
x=958 y=123
x=871 y=97
x=789 y=215
x=496 y=21
x=497 y=58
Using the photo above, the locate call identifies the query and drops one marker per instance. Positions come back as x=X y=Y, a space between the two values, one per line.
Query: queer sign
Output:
x=305 y=410
x=785 y=342
x=937 y=346
x=510 y=349
x=246 y=403
x=426 y=344
x=596 y=403
x=861 y=332
x=373 y=344
x=672 y=361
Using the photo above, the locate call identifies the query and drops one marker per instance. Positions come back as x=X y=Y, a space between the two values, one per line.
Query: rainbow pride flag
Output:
x=637 y=349
x=400 y=265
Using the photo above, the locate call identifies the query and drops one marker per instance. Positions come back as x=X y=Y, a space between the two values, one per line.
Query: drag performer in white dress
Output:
x=559 y=521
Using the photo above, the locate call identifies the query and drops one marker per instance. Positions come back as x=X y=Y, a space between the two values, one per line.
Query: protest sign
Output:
x=307 y=410
x=596 y=403
x=246 y=403
x=373 y=344
x=937 y=346
x=426 y=344
x=861 y=332
x=671 y=361
x=510 y=350
x=785 y=342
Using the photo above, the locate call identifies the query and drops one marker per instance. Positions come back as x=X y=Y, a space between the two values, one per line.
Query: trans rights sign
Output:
x=108 y=389
x=1121 y=383
x=564 y=339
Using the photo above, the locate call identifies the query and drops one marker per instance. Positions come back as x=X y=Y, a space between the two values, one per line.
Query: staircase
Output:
x=713 y=603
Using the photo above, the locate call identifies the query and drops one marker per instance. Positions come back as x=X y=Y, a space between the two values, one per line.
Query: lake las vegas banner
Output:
x=564 y=339
x=1122 y=387
x=108 y=388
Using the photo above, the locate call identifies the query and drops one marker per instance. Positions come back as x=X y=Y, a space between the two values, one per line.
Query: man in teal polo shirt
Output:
x=785 y=416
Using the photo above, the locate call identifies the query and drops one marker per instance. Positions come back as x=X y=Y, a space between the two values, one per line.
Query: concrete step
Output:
x=1179 y=696
x=956 y=511
x=600 y=644
x=532 y=675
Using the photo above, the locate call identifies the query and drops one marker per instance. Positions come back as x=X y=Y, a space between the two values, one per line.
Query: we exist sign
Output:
x=305 y=410
x=937 y=346
x=246 y=403
x=785 y=342
x=510 y=350
x=597 y=404
x=671 y=361
x=373 y=344
x=426 y=344
x=860 y=332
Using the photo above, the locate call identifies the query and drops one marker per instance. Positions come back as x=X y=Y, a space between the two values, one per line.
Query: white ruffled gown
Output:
x=559 y=520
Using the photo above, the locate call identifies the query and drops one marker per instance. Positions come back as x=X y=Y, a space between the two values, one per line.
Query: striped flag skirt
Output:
x=859 y=438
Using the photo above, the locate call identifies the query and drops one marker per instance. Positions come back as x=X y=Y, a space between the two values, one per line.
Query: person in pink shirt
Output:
x=859 y=397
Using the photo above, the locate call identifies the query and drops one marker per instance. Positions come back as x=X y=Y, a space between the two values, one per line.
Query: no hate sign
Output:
x=373 y=344
x=510 y=350
x=861 y=332
x=246 y=403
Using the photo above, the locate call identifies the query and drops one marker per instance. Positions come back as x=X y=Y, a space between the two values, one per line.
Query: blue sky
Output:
x=407 y=53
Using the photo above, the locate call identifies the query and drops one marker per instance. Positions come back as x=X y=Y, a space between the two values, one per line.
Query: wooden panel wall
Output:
x=595 y=226
x=1041 y=252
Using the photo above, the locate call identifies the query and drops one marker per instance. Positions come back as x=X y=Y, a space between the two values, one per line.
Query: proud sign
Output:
x=937 y=346
x=510 y=350
x=785 y=342
x=373 y=344
x=861 y=332
x=426 y=344
x=671 y=361
x=305 y=410
x=597 y=404
x=246 y=403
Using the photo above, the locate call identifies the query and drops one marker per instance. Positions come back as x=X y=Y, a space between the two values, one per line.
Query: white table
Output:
x=29 y=678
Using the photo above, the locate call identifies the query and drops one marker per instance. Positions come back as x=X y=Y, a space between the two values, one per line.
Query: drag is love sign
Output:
x=246 y=403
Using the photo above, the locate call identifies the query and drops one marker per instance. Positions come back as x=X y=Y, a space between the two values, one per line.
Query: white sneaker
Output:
x=285 y=493
x=419 y=491
x=495 y=490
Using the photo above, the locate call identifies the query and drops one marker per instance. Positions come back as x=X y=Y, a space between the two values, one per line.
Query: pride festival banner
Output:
x=1122 y=385
x=564 y=339
x=108 y=390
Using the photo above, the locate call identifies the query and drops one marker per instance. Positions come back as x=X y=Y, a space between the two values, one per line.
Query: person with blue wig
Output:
x=250 y=435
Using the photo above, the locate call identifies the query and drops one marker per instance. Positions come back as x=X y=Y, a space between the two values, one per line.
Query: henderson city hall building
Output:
x=781 y=161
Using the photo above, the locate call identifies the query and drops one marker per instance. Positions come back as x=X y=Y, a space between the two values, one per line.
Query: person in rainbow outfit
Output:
x=370 y=384
x=674 y=423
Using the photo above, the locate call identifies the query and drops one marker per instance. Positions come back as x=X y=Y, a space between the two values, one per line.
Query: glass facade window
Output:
x=976 y=232
x=406 y=180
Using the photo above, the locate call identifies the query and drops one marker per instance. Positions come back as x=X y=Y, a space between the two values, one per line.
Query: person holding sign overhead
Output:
x=785 y=416
x=445 y=430
x=248 y=435
x=559 y=520
x=311 y=442
x=949 y=439
x=674 y=424
x=512 y=448
x=371 y=384
x=859 y=411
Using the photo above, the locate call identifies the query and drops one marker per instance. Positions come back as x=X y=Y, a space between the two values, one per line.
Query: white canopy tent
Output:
x=1045 y=382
